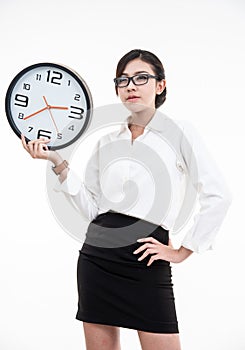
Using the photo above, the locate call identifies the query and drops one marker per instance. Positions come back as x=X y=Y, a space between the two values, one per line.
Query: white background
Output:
x=201 y=44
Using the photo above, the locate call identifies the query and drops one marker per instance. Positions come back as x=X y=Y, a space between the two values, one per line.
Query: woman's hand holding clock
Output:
x=38 y=149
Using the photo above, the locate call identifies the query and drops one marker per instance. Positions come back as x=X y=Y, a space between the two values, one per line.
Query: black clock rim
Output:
x=75 y=75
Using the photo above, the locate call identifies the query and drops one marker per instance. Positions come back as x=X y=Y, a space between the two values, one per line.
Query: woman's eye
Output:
x=141 y=78
x=122 y=80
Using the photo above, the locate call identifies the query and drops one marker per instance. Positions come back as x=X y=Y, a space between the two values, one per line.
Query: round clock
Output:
x=49 y=100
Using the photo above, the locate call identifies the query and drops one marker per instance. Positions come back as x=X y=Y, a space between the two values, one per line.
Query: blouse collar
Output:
x=157 y=123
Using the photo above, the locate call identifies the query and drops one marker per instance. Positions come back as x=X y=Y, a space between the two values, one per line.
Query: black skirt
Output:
x=114 y=288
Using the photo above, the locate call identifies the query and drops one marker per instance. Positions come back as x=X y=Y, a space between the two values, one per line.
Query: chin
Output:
x=135 y=107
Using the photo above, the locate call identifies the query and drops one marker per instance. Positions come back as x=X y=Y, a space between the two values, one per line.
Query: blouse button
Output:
x=179 y=166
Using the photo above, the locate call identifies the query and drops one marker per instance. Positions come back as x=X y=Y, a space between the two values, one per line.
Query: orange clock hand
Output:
x=58 y=107
x=46 y=102
x=43 y=109
x=51 y=115
x=32 y=115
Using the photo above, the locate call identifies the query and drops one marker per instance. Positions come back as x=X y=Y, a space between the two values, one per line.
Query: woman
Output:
x=128 y=284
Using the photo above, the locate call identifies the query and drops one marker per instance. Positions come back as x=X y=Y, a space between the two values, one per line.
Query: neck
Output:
x=142 y=118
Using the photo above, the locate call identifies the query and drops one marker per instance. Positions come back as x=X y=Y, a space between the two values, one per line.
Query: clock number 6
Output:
x=44 y=133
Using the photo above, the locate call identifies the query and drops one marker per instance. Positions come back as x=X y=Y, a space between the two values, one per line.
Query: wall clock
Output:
x=49 y=100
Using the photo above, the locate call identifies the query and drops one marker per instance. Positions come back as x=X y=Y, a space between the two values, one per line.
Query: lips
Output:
x=132 y=98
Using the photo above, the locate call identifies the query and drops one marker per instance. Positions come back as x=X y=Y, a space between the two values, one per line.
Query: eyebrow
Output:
x=141 y=71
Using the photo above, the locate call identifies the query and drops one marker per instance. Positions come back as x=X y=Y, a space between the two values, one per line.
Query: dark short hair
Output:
x=147 y=57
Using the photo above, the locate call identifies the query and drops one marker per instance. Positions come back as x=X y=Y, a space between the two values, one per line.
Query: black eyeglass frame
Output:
x=132 y=79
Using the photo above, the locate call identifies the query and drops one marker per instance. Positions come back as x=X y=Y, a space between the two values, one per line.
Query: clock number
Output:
x=71 y=128
x=22 y=100
x=21 y=115
x=26 y=86
x=59 y=136
x=77 y=97
x=30 y=128
x=38 y=77
x=77 y=113
x=53 y=79
x=44 y=133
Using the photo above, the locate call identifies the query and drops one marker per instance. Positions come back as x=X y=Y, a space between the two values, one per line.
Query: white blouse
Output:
x=160 y=177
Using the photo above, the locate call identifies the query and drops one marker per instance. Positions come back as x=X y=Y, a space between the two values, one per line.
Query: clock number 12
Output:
x=54 y=77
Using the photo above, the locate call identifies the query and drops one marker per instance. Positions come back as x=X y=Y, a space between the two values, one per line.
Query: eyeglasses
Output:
x=139 y=79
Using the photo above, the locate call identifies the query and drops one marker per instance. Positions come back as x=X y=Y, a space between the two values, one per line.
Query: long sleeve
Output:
x=212 y=190
x=86 y=193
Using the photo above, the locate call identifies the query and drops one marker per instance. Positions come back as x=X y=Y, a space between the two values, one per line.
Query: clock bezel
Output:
x=75 y=75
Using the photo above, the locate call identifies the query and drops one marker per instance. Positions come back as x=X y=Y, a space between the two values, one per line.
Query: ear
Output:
x=160 y=86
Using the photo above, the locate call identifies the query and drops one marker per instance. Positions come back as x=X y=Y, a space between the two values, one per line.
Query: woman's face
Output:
x=138 y=97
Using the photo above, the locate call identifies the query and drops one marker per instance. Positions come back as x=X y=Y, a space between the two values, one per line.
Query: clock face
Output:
x=51 y=101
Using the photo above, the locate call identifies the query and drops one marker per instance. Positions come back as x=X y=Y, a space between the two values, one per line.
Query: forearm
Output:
x=181 y=254
x=56 y=159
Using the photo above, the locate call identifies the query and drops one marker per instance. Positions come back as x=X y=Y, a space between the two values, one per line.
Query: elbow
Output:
x=223 y=195
x=223 y=202
x=91 y=215
x=220 y=202
x=227 y=198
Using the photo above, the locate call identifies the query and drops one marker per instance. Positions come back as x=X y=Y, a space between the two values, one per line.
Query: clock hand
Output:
x=32 y=115
x=51 y=115
x=58 y=107
x=43 y=109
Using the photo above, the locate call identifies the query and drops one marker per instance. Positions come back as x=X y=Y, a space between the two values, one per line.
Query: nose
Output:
x=131 y=86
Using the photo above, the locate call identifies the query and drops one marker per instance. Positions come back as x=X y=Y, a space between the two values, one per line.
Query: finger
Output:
x=45 y=147
x=46 y=140
x=33 y=146
x=144 y=246
x=35 y=149
x=147 y=252
x=23 y=140
x=30 y=146
x=153 y=258
x=39 y=141
x=39 y=150
x=148 y=239
x=42 y=151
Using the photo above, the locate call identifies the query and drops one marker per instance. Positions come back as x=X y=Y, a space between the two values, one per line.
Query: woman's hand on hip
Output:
x=161 y=251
